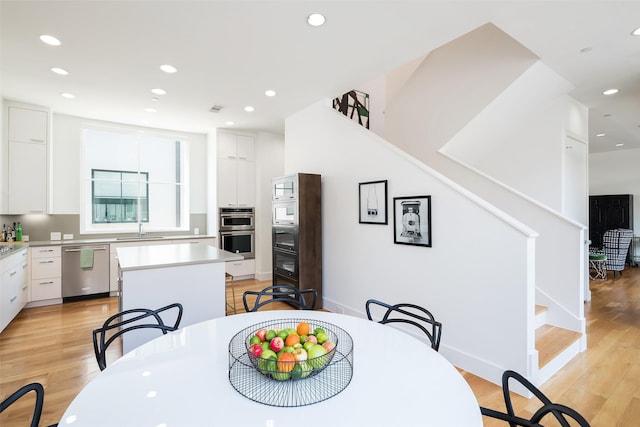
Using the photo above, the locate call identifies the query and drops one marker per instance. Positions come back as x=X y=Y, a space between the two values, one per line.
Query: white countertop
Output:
x=183 y=379
x=159 y=256
x=120 y=239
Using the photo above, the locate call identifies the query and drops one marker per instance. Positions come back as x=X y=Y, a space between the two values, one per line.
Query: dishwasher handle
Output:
x=78 y=250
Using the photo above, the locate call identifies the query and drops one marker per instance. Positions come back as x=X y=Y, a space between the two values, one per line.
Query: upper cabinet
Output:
x=28 y=125
x=26 y=143
x=236 y=170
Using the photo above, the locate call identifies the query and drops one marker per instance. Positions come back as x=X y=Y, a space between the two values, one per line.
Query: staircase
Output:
x=556 y=346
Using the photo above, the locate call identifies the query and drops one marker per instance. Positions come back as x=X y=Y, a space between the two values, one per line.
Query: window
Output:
x=131 y=178
x=115 y=196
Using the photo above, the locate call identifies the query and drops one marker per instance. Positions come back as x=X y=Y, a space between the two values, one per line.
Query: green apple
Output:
x=322 y=337
x=267 y=362
x=317 y=331
x=315 y=358
x=307 y=345
x=305 y=368
x=271 y=334
x=280 y=376
x=296 y=373
x=268 y=354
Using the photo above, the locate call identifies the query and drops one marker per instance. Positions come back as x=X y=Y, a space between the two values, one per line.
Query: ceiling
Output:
x=229 y=52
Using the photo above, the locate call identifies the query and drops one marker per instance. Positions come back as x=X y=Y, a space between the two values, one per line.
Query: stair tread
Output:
x=541 y=309
x=551 y=341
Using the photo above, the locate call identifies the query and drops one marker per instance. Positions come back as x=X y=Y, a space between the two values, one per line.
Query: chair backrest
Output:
x=37 y=410
x=304 y=299
x=130 y=320
x=561 y=413
x=411 y=314
x=616 y=245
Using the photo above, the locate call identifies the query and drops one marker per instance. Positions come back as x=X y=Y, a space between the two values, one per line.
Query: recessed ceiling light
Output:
x=60 y=71
x=316 y=19
x=50 y=40
x=619 y=145
x=229 y=123
x=636 y=32
x=155 y=99
x=270 y=92
x=67 y=95
x=601 y=134
x=249 y=108
x=150 y=110
x=168 y=68
x=611 y=91
x=159 y=91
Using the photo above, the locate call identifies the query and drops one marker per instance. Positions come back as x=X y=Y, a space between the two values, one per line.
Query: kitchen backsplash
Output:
x=40 y=227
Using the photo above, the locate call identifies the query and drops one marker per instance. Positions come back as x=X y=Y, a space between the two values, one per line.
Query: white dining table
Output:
x=182 y=379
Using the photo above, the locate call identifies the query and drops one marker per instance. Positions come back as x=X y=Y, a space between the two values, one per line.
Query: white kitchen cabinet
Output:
x=14 y=289
x=155 y=276
x=27 y=178
x=236 y=170
x=114 y=286
x=28 y=124
x=244 y=269
x=46 y=275
x=27 y=165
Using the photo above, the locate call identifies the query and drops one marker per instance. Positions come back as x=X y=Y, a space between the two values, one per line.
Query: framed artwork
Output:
x=373 y=202
x=412 y=220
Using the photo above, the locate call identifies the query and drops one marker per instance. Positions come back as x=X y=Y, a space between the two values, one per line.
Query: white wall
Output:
x=617 y=172
x=518 y=137
x=269 y=164
x=452 y=86
x=465 y=278
x=66 y=162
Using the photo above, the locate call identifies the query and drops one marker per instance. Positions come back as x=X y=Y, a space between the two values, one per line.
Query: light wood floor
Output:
x=52 y=345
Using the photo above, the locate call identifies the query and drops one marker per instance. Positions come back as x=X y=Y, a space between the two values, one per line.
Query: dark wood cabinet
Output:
x=297 y=232
x=608 y=212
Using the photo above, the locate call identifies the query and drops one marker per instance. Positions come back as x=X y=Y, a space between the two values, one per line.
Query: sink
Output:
x=140 y=238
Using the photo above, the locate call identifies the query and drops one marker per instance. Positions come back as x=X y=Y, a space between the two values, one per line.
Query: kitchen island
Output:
x=155 y=276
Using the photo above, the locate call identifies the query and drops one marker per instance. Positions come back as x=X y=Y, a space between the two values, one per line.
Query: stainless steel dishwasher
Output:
x=80 y=281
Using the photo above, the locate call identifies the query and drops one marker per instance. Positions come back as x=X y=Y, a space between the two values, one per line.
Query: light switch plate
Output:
x=67 y=236
x=196 y=230
x=56 y=235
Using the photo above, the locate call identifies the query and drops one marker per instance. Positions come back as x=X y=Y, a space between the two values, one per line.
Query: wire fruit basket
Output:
x=290 y=384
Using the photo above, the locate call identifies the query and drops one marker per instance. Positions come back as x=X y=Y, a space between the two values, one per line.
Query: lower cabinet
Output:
x=241 y=269
x=46 y=275
x=14 y=290
x=114 y=286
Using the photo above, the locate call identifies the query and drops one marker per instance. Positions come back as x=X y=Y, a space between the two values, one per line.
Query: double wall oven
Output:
x=237 y=231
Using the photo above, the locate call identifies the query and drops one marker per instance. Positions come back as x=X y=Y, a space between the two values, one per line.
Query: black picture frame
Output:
x=373 y=202
x=406 y=212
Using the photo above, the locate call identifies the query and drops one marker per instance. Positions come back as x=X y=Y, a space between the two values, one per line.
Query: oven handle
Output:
x=238 y=233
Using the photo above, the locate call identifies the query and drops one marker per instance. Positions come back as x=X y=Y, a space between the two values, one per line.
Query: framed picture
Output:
x=412 y=220
x=373 y=202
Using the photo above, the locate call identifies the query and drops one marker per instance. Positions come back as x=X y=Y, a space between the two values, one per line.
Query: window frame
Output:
x=181 y=185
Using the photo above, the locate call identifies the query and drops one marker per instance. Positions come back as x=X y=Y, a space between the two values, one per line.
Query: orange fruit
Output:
x=303 y=328
x=286 y=362
x=291 y=340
